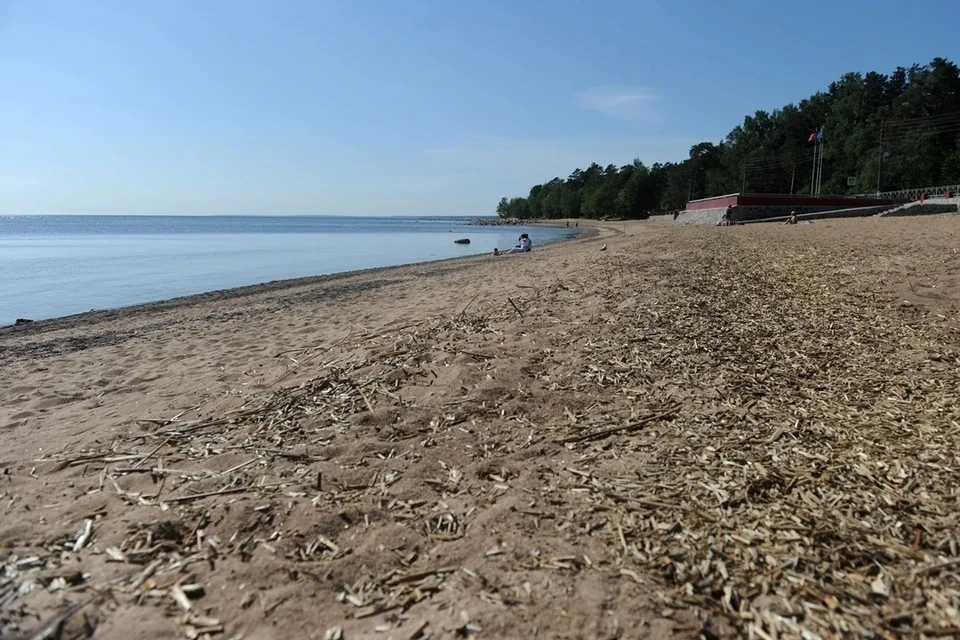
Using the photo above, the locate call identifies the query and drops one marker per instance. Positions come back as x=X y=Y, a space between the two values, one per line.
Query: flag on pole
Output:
x=820 y=136
x=812 y=138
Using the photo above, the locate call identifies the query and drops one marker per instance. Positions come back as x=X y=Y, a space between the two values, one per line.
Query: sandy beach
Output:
x=697 y=432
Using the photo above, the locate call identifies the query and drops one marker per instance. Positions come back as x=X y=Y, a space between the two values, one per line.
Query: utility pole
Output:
x=792 y=176
x=743 y=182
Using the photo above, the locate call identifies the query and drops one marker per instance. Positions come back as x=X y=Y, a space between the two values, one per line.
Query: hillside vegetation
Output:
x=895 y=131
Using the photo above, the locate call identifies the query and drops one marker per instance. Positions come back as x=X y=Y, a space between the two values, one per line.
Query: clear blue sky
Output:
x=390 y=107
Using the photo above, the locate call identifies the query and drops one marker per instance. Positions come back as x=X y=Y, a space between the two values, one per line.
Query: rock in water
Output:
x=463 y=241
x=21 y=321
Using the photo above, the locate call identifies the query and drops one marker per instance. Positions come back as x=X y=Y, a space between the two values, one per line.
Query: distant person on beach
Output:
x=524 y=246
x=726 y=220
x=792 y=219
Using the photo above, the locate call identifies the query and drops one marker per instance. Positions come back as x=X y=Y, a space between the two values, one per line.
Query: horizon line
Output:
x=258 y=215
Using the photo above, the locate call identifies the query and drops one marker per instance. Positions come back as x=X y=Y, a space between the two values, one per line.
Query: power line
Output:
x=944 y=123
x=937 y=130
x=894 y=131
x=783 y=158
x=803 y=156
x=891 y=132
x=782 y=166
x=932 y=126
x=775 y=167
x=919 y=119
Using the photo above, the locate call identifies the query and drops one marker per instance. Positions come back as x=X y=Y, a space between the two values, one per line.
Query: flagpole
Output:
x=819 y=161
x=816 y=190
x=813 y=171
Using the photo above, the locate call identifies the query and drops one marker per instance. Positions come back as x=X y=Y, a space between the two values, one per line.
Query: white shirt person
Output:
x=524 y=246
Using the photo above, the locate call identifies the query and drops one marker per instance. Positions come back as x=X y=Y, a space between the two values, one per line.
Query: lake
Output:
x=52 y=266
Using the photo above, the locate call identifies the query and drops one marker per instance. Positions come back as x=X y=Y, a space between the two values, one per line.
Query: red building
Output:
x=754 y=207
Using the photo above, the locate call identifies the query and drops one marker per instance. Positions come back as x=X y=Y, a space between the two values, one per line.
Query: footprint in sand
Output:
x=142 y=380
x=57 y=401
x=20 y=399
x=22 y=389
x=17 y=420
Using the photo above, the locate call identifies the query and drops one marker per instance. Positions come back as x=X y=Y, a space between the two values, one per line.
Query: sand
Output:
x=393 y=453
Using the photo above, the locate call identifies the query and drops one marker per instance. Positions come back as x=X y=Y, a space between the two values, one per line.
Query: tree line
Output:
x=880 y=132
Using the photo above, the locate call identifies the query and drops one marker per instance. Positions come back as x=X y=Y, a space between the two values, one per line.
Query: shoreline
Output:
x=97 y=315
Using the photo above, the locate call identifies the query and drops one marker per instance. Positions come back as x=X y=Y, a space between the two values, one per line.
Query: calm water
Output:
x=58 y=265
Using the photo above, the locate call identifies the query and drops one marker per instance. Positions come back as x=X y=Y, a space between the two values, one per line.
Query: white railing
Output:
x=914 y=194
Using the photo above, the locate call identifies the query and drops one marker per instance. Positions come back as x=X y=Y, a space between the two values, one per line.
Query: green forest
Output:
x=889 y=132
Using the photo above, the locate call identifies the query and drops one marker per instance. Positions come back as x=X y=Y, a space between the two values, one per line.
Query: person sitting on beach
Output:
x=792 y=219
x=523 y=246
